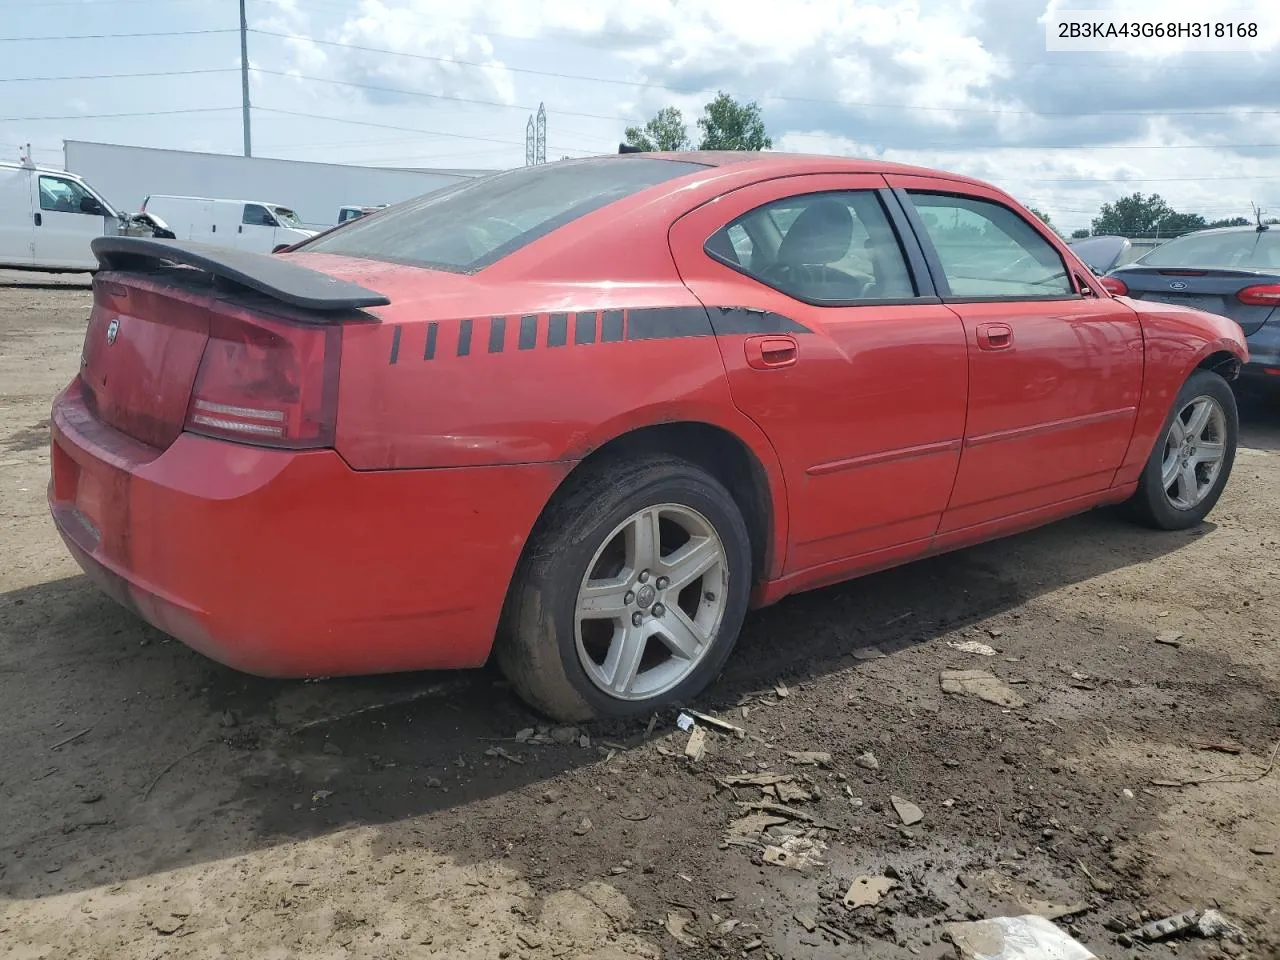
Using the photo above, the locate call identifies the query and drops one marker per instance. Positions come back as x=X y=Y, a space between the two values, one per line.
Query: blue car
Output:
x=1231 y=271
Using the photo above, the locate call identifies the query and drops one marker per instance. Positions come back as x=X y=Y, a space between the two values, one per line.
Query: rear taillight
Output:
x=268 y=383
x=1114 y=286
x=1261 y=295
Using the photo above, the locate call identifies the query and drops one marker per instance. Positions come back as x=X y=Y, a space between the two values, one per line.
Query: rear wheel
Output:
x=631 y=592
x=1191 y=462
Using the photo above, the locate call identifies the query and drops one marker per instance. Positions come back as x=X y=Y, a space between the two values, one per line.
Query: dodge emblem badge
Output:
x=113 y=328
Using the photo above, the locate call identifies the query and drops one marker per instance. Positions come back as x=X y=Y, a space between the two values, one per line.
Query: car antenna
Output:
x=1257 y=215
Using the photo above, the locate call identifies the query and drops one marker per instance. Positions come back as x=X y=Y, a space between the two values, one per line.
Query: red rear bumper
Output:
x=292 y=564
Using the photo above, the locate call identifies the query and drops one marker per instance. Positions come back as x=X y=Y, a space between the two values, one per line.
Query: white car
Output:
x=252 y=225
x=48 y=217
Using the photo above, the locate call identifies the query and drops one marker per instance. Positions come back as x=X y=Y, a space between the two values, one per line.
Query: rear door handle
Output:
x=995 y=336
x=770 y=353
x=39 y=220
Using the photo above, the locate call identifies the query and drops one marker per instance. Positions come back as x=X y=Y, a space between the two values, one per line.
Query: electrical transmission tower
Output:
x=535 y=138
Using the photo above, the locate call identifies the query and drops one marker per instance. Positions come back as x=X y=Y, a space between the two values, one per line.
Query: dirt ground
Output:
x=154 y=804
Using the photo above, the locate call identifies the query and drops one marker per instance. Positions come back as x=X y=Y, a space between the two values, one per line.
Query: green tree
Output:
x=1045 y=218
x=1139 y=216
x=666 y=131
x=1079 y=234
x=729 y=125
x=1232 y=222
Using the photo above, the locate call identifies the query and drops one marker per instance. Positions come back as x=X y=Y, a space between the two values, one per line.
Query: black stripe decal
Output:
x=433 y=329
x=584 y=328
x=668 y=323
x=395 y=345
x=557 y=329
x=738 y=321
x=464 y=338
x=497 y=334
x=611 y=326
x=528 y=332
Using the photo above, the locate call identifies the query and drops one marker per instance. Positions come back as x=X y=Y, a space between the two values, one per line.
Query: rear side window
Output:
x=470 y=225
x=1245 y=250
x=831 y=249
x=989 y=251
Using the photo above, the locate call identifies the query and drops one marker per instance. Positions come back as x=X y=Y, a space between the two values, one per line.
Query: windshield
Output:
x=470 y=225
x=287 y=217
x=1242 y=250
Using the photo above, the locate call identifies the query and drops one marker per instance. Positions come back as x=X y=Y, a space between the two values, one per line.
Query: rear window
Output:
x=470 y=225
x=1246 y=250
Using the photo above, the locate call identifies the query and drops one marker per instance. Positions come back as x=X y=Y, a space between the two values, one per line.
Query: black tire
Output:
x=536 y=645
x=1150 y=504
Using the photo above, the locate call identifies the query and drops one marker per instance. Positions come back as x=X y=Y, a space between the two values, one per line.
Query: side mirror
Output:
x=91 y=205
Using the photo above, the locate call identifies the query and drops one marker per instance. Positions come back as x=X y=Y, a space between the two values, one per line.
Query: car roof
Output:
x=768 y=162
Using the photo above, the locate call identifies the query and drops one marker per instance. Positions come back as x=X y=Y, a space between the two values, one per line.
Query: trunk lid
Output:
x=142 y=350
x=1212 y=290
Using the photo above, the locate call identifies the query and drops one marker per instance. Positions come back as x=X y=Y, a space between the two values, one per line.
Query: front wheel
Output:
x=631 y=592
x=1191 y=462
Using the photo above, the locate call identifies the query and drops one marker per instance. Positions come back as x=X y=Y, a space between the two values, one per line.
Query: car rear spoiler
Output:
x=279 y=279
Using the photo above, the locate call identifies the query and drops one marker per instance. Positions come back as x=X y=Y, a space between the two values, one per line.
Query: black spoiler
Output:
x=279 y=279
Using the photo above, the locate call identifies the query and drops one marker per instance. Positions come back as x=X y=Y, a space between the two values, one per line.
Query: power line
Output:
x=434 y=96
x=387 y=126
x=117 y=36
x=788 y=99
x=109 y=116
x=119 y=76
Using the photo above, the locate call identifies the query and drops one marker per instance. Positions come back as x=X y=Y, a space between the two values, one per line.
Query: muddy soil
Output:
x=155 y=804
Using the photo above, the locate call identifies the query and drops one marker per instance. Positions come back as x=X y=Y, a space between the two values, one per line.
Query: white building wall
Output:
x=315 y=191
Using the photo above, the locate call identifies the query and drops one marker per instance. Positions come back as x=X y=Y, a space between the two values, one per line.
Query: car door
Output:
x=836 y=345
x=67 y=217
x=1055 y=371
x=17 y=227
x=257 y=229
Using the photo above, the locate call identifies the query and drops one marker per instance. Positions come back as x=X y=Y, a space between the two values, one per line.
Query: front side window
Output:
x=1237 y=250
x=823 y=248
x=62 y=196
x=989 y=251
x=472 y=224
x=255 y=214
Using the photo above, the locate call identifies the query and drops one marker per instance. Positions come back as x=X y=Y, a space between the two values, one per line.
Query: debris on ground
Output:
x=972 y=646
x=754 y=824
x=502 y=754
x=710 y=721
x=907 y=811
x=696 y=748
x=798 y=853
x=867 y=761
x=583 y=827
x=781 y=690
x=1224 y=746
x=1210 y=924
x=1014 y=938
x=810 y=758
x=1170 y=639
x=867 y=891
x=1010 y=893
x=765 y=779
x=868 y=653
x=981 y=684
x=677 y=925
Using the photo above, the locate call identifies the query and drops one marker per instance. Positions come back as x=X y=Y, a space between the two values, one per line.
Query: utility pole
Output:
x=244 y=79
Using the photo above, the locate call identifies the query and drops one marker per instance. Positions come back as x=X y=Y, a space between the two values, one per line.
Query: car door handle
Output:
x=995 y=336
x=39 y=220
x=770 y=353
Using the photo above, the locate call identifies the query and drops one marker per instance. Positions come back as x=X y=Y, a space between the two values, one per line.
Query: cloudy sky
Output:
x=965 y=85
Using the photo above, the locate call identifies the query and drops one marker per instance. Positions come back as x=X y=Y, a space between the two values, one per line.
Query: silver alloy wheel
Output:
x=651 y=602
x=1193 y=452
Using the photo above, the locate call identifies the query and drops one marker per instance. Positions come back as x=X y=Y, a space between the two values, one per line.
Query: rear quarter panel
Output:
x=1176 y=341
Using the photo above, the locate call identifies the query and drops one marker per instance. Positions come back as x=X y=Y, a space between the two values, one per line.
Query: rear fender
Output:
x=1176 y=341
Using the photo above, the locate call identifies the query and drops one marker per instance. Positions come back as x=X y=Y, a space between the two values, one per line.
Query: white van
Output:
x=48 y=217
x=244 y=224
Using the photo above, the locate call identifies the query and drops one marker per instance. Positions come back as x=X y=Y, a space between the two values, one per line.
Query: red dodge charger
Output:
x=583 y=415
